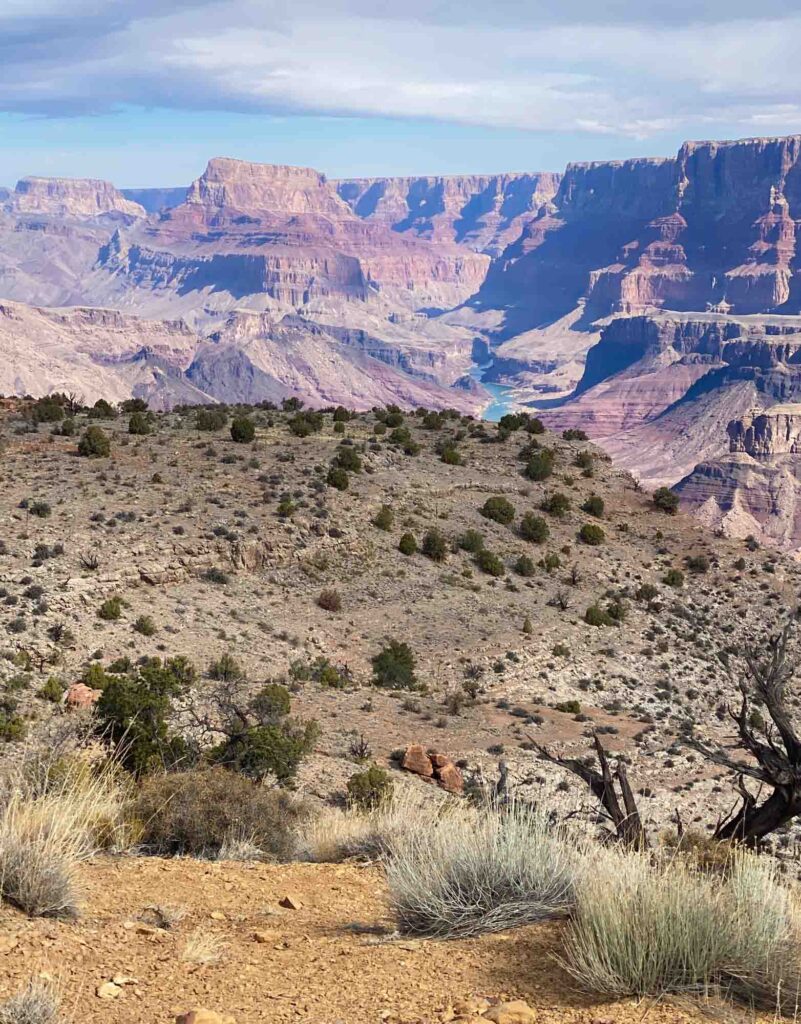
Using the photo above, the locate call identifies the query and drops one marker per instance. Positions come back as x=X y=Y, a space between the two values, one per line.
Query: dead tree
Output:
x=774 y=746
x=620 y=810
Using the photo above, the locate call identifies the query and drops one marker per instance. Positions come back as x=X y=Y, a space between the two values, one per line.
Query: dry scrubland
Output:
x=255 y=617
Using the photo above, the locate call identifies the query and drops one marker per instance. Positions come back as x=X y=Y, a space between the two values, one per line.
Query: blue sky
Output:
x=143 y=92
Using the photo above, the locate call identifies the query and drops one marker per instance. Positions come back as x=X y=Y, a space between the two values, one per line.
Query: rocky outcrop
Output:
x=755 y=488
x=70 y=197
x=433 y=767
x=484 y=212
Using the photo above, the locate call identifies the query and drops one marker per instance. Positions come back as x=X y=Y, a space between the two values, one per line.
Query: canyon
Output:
x=651 y=302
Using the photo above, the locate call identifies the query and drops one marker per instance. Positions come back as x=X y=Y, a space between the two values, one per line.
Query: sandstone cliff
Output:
x=70 y=197
x=483 y=212
x=755 y=488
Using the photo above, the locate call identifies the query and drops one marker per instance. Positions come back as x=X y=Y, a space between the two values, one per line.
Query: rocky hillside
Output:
x=541 y=598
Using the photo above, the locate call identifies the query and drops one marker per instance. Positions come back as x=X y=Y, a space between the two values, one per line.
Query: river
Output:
x=502 y=396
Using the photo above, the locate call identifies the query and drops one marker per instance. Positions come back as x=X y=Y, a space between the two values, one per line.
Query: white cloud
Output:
x=645 y=69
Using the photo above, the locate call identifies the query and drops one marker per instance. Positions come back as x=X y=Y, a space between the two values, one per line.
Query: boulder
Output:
x=450 y=778
x=79 y=695
x=417 y=761
x=514 y=1012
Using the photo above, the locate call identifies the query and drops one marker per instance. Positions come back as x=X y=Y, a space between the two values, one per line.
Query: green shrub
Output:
x=102 y=410
x=53 y=690
x=243 y=430
x=490 y=563
x=596 y=616
x=524 y=566
x=540 y=465
x=674 y=578
x=647 y=592
x=369 y=789
x=204 y=812
x=666 y=501
x=556 y=504
x=337 y=478
x=591 y=534
x=262 y=750
x=499 y=510
x=132 y=713
x=384 y=519
x=698 y=563
x=394 y=667
x=225 y=669
x=110 y=610
x=40 y=509
x=451 y=456
x=211 y=418
x=139 y=423
x=407 y=545
x=94 y=443
x=571 y=434
x=568 y=707
x=347 y=458
x=472 y=541
x=145 y=625
x=305 y=423
x=594 y=506
x=434 y=545
x=330 y=600
x=534 y=528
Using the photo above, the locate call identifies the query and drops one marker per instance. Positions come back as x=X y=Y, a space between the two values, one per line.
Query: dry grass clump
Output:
x=335 y=834
x=213 y=812
x=37 y=1003
x=48 y=828
x=463 y=875
x=203 y=947
x=648 y=927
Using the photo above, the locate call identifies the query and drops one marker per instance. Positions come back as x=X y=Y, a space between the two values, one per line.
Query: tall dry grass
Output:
x=37 y=1003
x=48 y=826
x=486 y=871
x=649 y=926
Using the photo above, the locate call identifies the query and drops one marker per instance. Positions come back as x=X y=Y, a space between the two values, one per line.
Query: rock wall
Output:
x=70 y=197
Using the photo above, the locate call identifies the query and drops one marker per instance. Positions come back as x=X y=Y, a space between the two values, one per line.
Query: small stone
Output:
x=108 y=990
x=515 y=1012
x=202 y=1016
x=217 y=915
x=263 y=937
x=473 y=1007
x=290 y=902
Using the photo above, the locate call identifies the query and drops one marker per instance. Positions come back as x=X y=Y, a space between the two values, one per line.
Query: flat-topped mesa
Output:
x=775 y=432
x=483 y=211
x=70 y=197
x=275 y=188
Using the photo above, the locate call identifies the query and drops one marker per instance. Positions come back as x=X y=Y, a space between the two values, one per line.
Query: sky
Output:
x=143 y=92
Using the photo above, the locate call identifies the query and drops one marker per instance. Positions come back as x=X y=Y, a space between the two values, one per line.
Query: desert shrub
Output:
x=647 y=592
x=451 y=455
x=490 y=563
x=393 y=667
x=534 y=528
x=53 y=817
x=467 y=874
x=697 y=563
x=37 y=1003
x=139 y=423
x=52 y=690
x=539 y=465
x=243 y=430
x=215 y=575
x=568 y=707
x=341 y=414
x=594 y=506
x=597 y=616
x=102 y=410
x=274 y=750
x=384 y=519
x=434 y=545
x=674 y=578
x=110 y=610
x=225 y=668
x=348 y=458
x=145 y=625
x=524 y=566
x=68 y=428
x=407 y=545
x=133 y=709
x=337 y=478
x=40 y=509
x=556 y=504
x=211 y=418
x=47 y=409
x=472 y=541
x=572 y=434
x=94 y=443
x=591 y=534
x=665 y=500
x=197 y=813
x=498 y=509
x=133 y=405
x=644 y=928
x=308 y=422
x=370 y=788
x=330 y=600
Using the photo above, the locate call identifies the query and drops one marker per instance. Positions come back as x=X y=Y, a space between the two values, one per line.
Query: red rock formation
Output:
x=70 y=197
x=483 y=212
